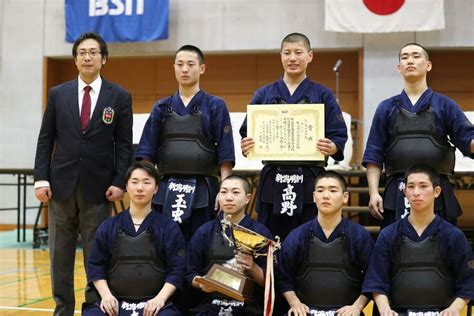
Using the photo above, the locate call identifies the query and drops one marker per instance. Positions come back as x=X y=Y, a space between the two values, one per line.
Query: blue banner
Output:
x=118 y=20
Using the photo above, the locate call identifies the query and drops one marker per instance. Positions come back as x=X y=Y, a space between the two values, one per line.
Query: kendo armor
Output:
x=183 y=148
x=416 y=141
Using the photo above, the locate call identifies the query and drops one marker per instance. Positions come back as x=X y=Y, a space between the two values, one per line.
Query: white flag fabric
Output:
x=384 y=16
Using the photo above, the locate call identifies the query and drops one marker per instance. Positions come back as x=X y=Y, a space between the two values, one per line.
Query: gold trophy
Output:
x=230 y=278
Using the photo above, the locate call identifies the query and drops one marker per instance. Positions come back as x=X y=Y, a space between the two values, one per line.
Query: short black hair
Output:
x=194 y=49
x=425 y=52
x=147 y=166
x=91 y=35
x=245 y=182
x=432 y=174
x=333 y=175
x=296 y=37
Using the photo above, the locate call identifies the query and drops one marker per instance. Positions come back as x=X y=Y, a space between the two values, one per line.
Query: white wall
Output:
x=217 y=25
x=459 y=31
x=1 y=33
x=381 y=79
x=32 y=29
x=21 y=81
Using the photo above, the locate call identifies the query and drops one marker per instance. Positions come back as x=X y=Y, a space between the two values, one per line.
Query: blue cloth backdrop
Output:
x=118 y=20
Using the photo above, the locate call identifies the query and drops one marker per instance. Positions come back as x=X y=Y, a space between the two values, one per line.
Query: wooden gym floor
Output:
x=25 y=287
x=25 y=283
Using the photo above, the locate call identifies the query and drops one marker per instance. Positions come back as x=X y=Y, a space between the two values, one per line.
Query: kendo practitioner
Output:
x=208 y=246
x=421 y=263
x=322 y=262
x=274 y=209
x=413 y=127
x=138 y=259
x=189 y=137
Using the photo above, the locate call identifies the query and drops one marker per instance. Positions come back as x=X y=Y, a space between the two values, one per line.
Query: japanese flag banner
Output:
x=383 y=16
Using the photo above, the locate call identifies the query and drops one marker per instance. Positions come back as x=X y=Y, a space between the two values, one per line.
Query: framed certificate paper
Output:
x=285 y=131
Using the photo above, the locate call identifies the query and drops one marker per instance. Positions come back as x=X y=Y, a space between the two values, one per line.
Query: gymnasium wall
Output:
x=241 y=39
x=33 y=30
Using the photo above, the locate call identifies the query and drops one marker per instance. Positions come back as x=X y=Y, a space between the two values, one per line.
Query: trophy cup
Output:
x=230 y=278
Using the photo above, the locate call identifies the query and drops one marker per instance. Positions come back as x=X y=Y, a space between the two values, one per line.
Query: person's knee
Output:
x=91 y=310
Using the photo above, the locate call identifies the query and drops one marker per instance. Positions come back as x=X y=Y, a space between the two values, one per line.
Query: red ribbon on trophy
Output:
x=269 y=282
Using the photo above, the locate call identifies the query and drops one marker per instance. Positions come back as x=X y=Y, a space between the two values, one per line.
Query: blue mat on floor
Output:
x=8 y=239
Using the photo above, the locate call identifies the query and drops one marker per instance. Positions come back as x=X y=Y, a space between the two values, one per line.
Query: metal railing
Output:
x=24 y=180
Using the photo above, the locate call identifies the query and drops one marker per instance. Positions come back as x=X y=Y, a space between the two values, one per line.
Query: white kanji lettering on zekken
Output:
x=288 y=197
x=179 y=207
x=287 y=178
x=314 y=312
x=133 y=307
x=181 y=188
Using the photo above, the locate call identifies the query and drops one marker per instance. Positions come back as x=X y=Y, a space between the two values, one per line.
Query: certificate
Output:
x=285 y=131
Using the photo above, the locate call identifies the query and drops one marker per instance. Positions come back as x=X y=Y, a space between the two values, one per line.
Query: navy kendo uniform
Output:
x=421 y=273
x=403 y=135
x=271 y=203
x=325 y=273
x=136 y=264
x=188 y=144
x=207 y=247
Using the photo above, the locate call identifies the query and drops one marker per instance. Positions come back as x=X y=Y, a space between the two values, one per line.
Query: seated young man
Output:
x=421 y=263
x=322 y=262
x=138 y=258
x=207 y=246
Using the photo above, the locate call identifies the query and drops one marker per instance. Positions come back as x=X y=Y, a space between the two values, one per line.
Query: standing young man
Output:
x=413 y=127
x=421 y=262
x=295 y=87
x=189 y=137
x=84 y=150
x=208 y=246
x=322 y=262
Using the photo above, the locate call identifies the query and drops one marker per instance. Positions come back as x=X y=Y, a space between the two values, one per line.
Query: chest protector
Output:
x=219 y=251
x=183 y=149
x=136 y=272
x=299 y=163
x=419 y=277
x=326 y=279
x=415 y=141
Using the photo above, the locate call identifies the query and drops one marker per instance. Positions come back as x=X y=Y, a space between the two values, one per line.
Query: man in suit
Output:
x=84 y=150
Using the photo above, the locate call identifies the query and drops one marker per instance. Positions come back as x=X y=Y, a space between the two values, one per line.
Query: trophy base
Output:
x=228 y=282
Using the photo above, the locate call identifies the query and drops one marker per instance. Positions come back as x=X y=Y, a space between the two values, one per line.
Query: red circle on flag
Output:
x=383 y=7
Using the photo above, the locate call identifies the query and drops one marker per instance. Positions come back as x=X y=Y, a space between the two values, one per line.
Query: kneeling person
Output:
x=421 y=263
x=138 y=256
x=322 y=262
x=207 y=246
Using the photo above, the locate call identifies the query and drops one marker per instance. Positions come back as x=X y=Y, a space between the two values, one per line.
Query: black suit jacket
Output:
x=97 y=158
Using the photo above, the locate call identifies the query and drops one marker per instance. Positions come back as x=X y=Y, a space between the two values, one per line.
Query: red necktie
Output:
x=86 y=109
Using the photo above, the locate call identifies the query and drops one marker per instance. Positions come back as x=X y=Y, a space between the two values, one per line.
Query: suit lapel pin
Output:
x=108 y=115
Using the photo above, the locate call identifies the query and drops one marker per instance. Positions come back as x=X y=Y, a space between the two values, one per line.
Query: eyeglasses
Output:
x=91 y=53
